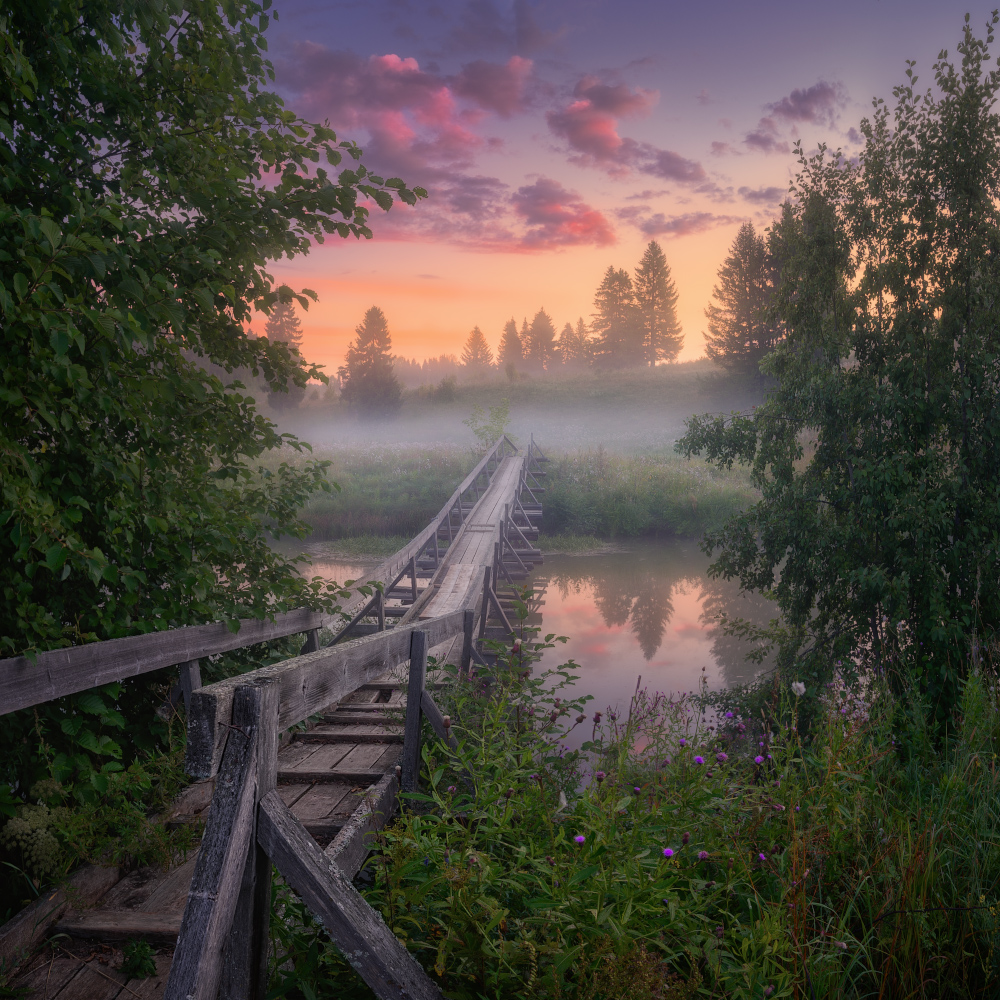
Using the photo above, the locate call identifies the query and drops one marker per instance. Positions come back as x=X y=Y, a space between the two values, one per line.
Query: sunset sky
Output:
x=556 y=138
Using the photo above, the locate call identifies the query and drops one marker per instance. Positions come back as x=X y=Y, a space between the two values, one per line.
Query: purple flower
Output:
x=729 y=715
x=762 y=857
x=699 y=760
x=797 y=808
x=703 y=855
x=668 y=852
x=637 y=789
x=452 y=789
x=686 y=839
x=758 y=759
x=683 y=742
x=722 y=758
x=768 y=756
x=579 y=838
x=600 y=776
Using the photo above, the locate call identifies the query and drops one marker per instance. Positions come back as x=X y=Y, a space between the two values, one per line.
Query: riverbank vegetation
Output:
x=683 y=854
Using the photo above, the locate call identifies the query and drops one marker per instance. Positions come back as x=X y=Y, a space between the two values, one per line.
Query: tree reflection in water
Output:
x=638 y=587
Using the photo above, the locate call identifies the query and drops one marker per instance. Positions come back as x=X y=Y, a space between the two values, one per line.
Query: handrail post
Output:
x=413 y=579
x=468 y=624
x=312 y=641
x=380 y=608
x=244 y=970
x=414 y=692
x=190 y=680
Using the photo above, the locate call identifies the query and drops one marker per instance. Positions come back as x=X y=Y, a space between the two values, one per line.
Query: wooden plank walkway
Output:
x=460 y=578
x=326 y=773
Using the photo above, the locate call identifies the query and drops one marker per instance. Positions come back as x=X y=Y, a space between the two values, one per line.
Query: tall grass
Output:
x=386 y=490
x=629 y=496
x=679 y=857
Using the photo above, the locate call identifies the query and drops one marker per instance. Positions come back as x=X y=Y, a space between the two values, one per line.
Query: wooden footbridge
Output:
x=296 y=764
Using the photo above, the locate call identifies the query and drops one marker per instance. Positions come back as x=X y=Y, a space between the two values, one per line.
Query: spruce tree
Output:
x=616 y=321
x=510 y=351
x=283 y=326
x=741 y=329
x=656 y=298
x=538 y=345
x=368 y=385
x=477 y=356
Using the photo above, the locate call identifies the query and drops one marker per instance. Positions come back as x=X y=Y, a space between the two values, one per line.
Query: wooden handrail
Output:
x=307 y=684
x=60 y=672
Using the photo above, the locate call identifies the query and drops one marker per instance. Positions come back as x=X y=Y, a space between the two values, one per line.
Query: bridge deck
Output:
x=460 y=579
x=324 y=774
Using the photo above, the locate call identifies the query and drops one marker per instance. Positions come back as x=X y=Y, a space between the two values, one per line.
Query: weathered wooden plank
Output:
x=66 y=671
x=327 y=733
x=198 y=958
x=244 y=971
x=116 y=925
x=411 y=733
x=307 y=684
x=322 y=802
x=26 y=929
x=350 y=847
x=436 y=719
x=357 y=930
x=323 y=757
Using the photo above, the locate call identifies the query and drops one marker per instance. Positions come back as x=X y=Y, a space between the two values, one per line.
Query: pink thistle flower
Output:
x=762 y=857
x=722 y=757
x=699 y=760
x=580 y=838
x=758 y=759
x=668 y=852
x=703 y=855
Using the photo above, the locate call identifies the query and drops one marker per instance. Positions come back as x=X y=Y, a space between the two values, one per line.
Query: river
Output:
x=643 y=610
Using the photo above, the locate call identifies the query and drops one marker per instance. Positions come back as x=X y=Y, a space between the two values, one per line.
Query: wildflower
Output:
x=719 y=932
x=768 y=990
x=553 y=716
x=842 y=945
x=427 y=861
x=762 y=857
x=668 y=852
x=778 y=807
x=452 y=789
x=637 y=790
x=579 y=838
x=600 y=776
x=509 y=793
x=699 y=760
x=722 y=758
x=768 y=756
x=581 y=718
x=798 y=688
x=797 y=808
x=703 y=855
x=729 y=715
x=758 y=759
x=597 y=718
x=551 y=860
x=683 y=742
x=686 y=839
x=667 y=761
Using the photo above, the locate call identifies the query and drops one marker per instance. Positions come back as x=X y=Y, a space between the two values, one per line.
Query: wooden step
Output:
x=115 y=925
x=372 y=706
x=327 y=732
x=350 y=718
x=304 y=776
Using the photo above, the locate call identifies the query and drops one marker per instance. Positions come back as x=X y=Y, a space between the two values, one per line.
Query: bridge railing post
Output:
x=414 y=715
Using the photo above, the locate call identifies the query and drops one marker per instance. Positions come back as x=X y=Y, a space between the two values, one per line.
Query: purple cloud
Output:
x=816 y=105
x=556 y=217
x=498 y=87
x=763 y=195
x=681 y=225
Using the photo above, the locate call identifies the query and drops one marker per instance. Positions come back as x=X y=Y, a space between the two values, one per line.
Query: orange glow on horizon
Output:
x=434 y=294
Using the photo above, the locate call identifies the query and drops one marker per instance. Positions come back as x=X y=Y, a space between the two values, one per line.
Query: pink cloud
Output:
x=556 y=217
x=766 y=137
x=675 y=225
x=498 y=87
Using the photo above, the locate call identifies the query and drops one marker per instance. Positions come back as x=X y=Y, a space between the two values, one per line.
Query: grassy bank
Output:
x=741 y=861
x=631 y=496
x=392 y=493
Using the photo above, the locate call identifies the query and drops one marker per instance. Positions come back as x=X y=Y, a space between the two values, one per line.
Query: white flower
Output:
x=798 y=688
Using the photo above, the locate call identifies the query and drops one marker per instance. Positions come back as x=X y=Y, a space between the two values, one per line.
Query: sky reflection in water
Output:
x=645 y=612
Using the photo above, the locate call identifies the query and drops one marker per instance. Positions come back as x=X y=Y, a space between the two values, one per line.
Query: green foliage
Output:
x=741 y=325
x=368 y=386
x=147 y=176
x=630 y=496
x=875 y=454
x=388 y=491
x=283 y=327
x=489 y=429
x=139 y=960
x=841 y=867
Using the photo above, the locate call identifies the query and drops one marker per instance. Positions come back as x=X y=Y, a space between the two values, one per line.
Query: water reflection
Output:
x=648 y=611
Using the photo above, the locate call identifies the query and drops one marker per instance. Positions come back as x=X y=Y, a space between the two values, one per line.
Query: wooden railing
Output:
x=222 y=947
x=25 y=682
